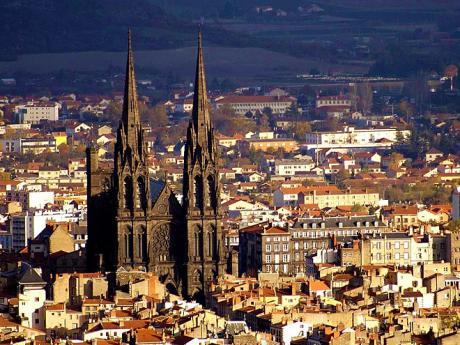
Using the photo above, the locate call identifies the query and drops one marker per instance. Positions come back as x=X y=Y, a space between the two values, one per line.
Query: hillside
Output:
x=85 y=25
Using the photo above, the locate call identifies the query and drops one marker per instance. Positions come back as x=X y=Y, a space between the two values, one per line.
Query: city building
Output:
x=290 y=167
x=33 y=113
x=244 y=104
x=351 y=138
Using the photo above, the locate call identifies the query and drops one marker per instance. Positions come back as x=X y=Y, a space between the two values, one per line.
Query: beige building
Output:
x=60 y=240
x=324 y=197
x=453 y=248
x=270 y=145
x=351 y=255
x=402 y=217
x=62 y=322
x=150 y=286
x=73 y=288
x=396 y=248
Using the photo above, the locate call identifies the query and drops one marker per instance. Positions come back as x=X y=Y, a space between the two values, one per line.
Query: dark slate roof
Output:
x=156 y=187
x=31 y=277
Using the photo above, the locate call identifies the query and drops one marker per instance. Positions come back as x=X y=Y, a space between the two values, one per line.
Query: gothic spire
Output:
x=130 y=116
x=200 y=114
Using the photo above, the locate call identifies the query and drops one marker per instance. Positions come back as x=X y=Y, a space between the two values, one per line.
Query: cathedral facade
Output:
x=136 y=223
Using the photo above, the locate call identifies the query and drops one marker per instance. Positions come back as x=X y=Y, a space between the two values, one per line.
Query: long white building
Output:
x=355 y=138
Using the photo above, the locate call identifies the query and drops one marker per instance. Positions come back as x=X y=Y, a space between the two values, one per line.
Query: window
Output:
x=212 y=200
x=141 y=201
x=285 y=247
x=198 y=189
x=268 y=248
x=268 y=258
x=397 y=256
x=128 y=192
x=397 y=245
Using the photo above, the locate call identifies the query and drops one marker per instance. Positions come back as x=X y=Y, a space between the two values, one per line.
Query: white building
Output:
x=34 y=112
x=32 y=298
x=355 y=138
x=283 y=334
x=184 y=106
x=31 y=199
x=27 y=225
x=290 y=167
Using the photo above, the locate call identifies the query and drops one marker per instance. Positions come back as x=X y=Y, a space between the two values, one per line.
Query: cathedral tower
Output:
x=131 y=178
x=201 y=193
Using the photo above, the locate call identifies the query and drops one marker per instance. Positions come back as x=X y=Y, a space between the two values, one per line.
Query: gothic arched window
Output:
x=141 y=201
x=198 y=188
x=129 y=243
x=128 y=192
x=141 y=243
x=210 y=244
x=198 y=245
x=212 y=197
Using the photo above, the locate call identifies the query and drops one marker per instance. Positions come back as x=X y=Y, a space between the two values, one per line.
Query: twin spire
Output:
x=200 y=113
x=130 y=115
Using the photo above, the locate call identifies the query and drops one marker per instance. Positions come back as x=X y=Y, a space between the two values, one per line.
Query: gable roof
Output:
x=31 y=277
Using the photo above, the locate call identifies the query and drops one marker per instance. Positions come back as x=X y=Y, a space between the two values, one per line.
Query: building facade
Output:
x=244 y=104
x=33 y=113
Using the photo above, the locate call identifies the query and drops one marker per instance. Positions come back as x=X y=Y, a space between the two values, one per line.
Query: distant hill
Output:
x=39 y=26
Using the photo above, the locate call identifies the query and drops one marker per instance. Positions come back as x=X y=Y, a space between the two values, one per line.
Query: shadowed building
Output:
x=135 y=222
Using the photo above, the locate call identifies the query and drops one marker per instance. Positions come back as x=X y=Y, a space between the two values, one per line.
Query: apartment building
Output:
x=291 y=167
x=37 y=145
x=396 y=248
x=324 y=196
x=30 y=199
x=243 y=104
x=351 y=138
x=263 y=248
x=270 y=145
x=34 y=112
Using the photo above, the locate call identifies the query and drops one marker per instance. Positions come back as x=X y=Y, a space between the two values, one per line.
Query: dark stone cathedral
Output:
x=135 y=222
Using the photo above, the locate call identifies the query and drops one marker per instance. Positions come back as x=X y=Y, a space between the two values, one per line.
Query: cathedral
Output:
x=136 y=223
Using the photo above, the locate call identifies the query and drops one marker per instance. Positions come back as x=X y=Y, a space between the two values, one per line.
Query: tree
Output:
x=340 y=178
x=454 y=225
x=263 y=122
x=228 y=122
x=64 y=149
x=113 y=112
x=406 y=108
x=395 y=159
x=157 y=115
x=364 y=98
x=358 y=208
x=451 y=72
x=302 y=128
